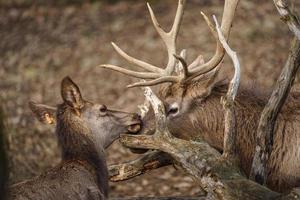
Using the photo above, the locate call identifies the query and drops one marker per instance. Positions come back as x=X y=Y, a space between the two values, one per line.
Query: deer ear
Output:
x=71 y=94
x=204 y=85
x=44 y=113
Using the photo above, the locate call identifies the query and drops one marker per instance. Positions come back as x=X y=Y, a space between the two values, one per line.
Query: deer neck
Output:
x=207 y=117
x=78 y=146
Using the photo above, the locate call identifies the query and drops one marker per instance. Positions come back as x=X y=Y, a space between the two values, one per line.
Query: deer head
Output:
x=84 y=118
x=189 y=85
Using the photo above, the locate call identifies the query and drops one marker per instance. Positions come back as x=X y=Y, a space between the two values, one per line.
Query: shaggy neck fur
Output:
x=248 y=106
x=206 y=121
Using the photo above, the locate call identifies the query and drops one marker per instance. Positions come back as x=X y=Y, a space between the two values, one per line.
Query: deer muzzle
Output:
x=134 y=128
x=135 y=124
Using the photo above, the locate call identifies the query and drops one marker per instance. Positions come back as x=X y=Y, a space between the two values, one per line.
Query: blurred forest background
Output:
x=44 y=40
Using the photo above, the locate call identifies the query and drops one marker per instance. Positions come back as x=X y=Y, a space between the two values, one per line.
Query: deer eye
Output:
x=103 y=109
x=173 y=109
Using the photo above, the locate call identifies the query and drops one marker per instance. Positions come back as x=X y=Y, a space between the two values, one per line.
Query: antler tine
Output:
x=165 y=79
x=169 y=38
x=143 y=75
x=178 y=18
x=197 y=62
x=179 y=67
x=227 y=19
x=137 y=62
x=159 y=75
x=197 y=68
x=184 y=65
x=211 y=27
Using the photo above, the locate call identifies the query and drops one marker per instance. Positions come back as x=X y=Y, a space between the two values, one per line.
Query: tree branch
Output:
x=142 y=165
x=288 y=17
x=220 y=178
x=159 y=111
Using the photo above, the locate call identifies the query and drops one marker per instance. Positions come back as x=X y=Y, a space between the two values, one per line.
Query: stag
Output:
x=192 y=99
x=84 y=131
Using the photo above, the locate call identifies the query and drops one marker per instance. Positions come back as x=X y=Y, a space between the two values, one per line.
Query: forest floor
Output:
x=42 y=44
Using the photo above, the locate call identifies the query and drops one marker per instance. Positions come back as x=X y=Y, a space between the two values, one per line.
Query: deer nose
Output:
x=136 y=124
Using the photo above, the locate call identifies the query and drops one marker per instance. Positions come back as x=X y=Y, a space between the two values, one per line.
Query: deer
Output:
x=191 y=94
x=84 y=130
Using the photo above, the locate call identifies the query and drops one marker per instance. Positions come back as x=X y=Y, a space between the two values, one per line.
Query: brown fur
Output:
x=203 y=118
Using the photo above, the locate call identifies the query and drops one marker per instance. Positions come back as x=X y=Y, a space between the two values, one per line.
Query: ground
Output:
x=42 y=44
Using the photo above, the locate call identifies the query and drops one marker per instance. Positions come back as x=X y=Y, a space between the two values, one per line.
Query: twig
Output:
x=179 y=66
x=182 y=66
x=142 y=165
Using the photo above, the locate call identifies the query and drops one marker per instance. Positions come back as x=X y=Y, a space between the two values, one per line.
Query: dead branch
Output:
x=142 y=165
x=219 y=177
x=265 y=131
x=288 y=17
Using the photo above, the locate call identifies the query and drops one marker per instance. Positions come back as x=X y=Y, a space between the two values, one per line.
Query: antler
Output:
x=156 y=75
x=226 y=24
x=169 y=38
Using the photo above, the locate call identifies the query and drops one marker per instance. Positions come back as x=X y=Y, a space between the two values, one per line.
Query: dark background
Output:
x=43 y=41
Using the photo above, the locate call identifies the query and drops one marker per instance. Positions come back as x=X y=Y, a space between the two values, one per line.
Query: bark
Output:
x=288 y=17
x=219 y=177
x=147 y=162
